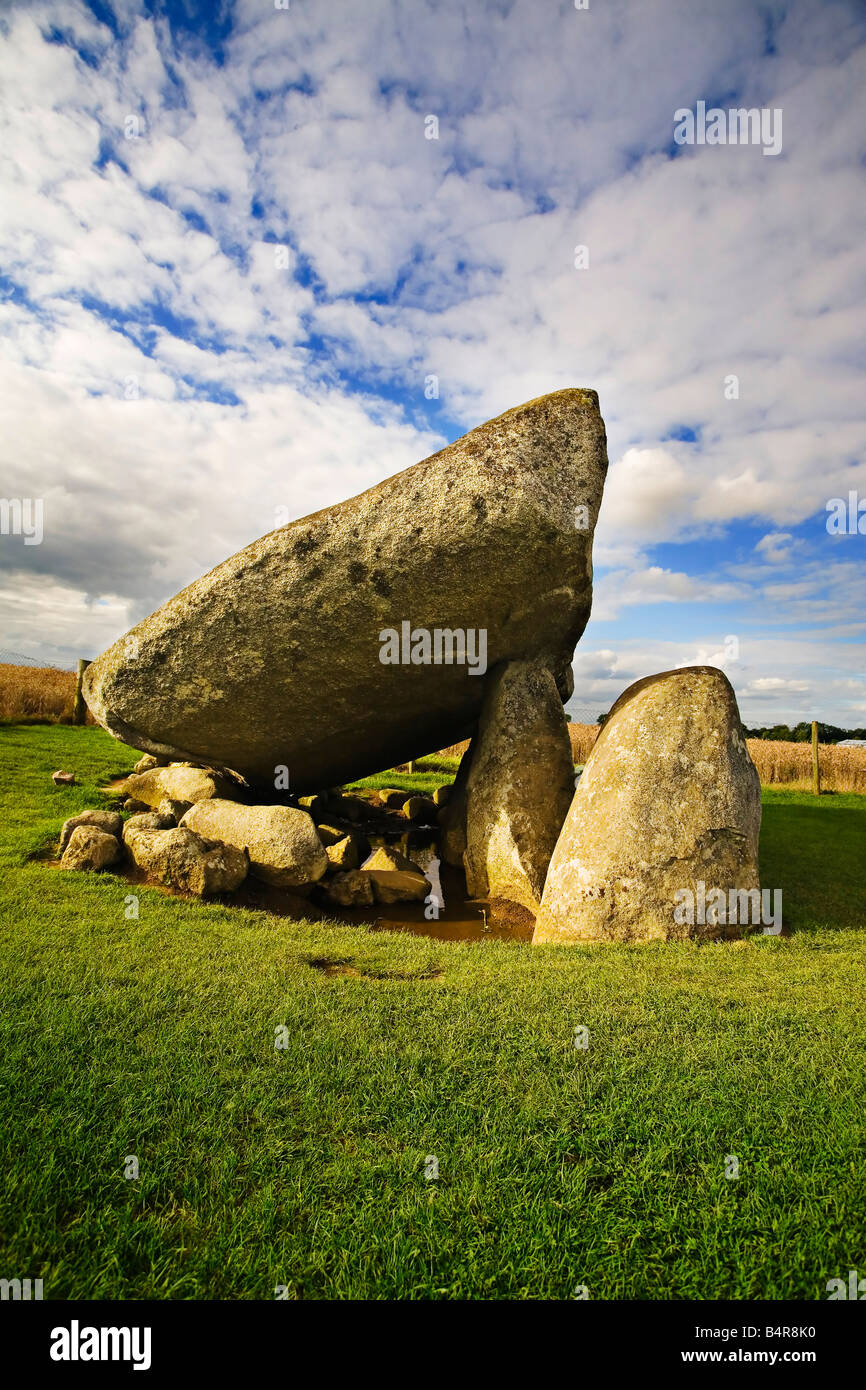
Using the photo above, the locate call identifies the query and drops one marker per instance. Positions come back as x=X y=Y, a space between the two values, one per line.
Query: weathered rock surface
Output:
x=352 y=889
x=343 y=855
x=283 y=846
x=148 y=761
x=669 y=799
x=183 y=859
x=89 y=847
x=395 y=878
x=273 y=658
x=419 y=808
x=330 y=834
x=519 y=787
x=353 y=808
x=177 y=782
x=111 y=822
x=147 y=820
x=452 y=816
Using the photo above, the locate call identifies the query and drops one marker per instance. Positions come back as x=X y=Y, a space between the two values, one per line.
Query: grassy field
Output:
x=305 y=1166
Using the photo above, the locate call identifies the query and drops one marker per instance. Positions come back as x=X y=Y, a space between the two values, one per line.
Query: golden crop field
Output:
x=37 y=692
x=778 y=763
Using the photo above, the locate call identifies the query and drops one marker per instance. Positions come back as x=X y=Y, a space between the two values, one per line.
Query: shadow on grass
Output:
x=816 y=854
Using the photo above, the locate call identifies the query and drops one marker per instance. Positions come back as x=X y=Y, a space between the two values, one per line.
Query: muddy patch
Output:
x=346 y=967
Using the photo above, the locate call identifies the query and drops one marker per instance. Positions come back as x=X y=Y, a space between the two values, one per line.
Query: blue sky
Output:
x=232 y=261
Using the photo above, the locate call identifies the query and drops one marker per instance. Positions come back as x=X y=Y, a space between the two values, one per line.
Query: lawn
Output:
x=306 y=1166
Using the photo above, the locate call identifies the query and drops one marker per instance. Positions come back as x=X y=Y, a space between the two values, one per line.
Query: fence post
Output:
x=79 y=709
x=816 y=768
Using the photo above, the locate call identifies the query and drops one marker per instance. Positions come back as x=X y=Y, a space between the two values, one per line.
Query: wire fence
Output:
x=21 y=659
x=582 y=713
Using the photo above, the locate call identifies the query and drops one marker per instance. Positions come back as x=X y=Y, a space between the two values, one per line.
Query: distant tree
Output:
x=802 y=733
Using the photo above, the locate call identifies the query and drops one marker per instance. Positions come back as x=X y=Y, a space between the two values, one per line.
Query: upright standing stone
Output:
x=668 y=807
x=452 y=817
x=519 y=786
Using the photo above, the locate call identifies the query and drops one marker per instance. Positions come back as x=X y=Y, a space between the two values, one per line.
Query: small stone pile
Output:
x=187 y=828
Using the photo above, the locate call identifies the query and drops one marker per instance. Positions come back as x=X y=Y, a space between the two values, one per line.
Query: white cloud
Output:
x=453 y=256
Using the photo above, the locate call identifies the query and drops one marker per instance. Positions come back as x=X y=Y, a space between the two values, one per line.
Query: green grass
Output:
x=429 y=774
x=304 y=1167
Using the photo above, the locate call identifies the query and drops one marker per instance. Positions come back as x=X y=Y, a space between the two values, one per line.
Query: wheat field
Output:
x=37 y=692
x=779 y=764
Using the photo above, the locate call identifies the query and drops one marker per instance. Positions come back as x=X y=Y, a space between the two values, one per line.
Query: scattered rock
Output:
x=343 y=855
x=149 y=761
x=354 y=808
x=442 y=795
x=177 y=782
x=349 y=890
x=284 y=848
x=89 y=847
x=391 y=797
x=182 y=859
x=63 y=779
x=419 y=808
x=508 y=514
x=669 y=799
x=395 y=878
x=146 y=820
x=174 y=810
x=519 y=787
x=315 y=805
x=111 y=822
x=330 y=834
x=135 y=807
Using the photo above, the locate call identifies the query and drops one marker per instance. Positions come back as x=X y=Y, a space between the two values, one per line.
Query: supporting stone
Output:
x=452 y=818
x=519 y=786
x=661 y=840
x=79 y=708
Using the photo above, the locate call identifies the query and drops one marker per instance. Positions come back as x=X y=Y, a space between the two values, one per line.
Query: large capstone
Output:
x=358 y=638
x=661 y=840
